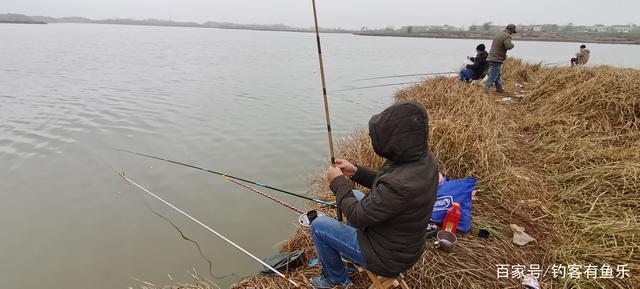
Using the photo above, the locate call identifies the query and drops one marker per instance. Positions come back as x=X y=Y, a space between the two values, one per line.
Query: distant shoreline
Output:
x=573 y=37
x=22 y=22
x=209 y=27
x=542 y=37
x=25 y=19
x=186 y=26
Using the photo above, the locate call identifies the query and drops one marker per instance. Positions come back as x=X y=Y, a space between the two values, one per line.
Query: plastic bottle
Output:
x=452 y=219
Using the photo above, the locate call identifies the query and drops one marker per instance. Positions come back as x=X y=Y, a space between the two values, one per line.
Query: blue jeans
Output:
x=466 y=74
x=494 y=76
x=333 y=240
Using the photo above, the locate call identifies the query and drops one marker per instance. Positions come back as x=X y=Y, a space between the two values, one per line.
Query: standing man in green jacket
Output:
x=497 y=55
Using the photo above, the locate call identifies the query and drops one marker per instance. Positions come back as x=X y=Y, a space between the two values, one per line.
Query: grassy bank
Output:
x=563 y=163
x=582 y=37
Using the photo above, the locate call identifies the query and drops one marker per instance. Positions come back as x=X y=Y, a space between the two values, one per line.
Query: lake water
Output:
x=247 y=103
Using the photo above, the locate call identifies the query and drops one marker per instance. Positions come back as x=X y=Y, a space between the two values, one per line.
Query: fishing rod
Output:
x=212 y=231
x=555 y=63
x=305 y=219
x=228 y=176
x=265 y=195
x=374 y=86
x=405 y=75
x=324 y=94
x=184 y=237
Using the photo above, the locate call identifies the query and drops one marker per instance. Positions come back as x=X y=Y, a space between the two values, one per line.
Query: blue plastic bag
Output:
x=454 y=191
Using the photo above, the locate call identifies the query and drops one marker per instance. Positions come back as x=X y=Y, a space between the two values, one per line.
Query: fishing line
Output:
x=229 y=176
x=555 y=63
x=374 y=86
x=324 y=95
x=405 y=75
x=181 y=234
x=173 y=225
x=210 y=230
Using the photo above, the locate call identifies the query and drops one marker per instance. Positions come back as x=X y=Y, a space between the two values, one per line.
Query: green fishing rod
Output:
x=324 y=94
x=228 y=176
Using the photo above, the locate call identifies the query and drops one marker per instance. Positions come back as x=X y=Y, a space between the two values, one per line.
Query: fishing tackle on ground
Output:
x=212 y=231
x=324 y=94
x=285 y=261
x=229 y=176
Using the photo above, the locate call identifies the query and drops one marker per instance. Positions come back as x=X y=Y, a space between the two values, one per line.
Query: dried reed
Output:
x=563 y=163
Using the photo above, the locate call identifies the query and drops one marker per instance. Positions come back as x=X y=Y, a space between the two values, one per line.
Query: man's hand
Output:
x=347 y=168
x=332 y=173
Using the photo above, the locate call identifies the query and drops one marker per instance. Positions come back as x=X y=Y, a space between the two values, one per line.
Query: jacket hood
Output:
x=400 y=133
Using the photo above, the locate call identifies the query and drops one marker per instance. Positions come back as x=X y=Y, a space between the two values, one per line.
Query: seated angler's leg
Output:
x=323 y=231
x=331 y=239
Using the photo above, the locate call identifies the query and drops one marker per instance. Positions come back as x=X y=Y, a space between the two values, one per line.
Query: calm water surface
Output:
x=244 y=102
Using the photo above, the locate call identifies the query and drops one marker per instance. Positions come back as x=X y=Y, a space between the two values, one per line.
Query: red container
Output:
x=452 y=219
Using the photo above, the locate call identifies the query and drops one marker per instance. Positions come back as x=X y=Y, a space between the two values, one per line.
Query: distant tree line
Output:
x=19 y=18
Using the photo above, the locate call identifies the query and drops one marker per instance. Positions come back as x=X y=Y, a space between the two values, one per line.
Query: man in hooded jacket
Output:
x=476 y=70
x=386 y=228
x=582 y=57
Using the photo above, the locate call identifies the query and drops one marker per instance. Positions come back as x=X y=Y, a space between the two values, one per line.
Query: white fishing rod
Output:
x=212 y=231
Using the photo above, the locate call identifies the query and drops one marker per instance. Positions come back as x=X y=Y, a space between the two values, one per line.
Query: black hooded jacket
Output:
x=392 y=219
x=479 y=65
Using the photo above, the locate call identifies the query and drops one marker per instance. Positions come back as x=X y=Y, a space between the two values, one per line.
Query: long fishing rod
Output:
x=324 y=94
x=405 y=75
x=374 y=86
x=229 y=176
x=555 y=63
x=265 y=195
x=212 y=231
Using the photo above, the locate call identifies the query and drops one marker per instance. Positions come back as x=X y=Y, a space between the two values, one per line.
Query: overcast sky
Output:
x=342 y=13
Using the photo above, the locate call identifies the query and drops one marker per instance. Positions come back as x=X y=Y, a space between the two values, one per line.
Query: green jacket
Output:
x=501 y=43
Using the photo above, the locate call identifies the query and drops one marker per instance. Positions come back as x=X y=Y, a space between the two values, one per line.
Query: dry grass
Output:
x=564 y=163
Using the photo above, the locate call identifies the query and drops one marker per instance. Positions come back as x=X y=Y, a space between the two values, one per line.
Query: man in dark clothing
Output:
x=386 y=228
x=497 y=55
x=476 y=70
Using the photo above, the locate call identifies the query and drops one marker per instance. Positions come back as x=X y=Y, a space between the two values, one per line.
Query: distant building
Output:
x=493 y=28
x=421 y=28
x=544 y=28
x=431 y=28
x=580 y=28
x=619 y=28
x=596 y=28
